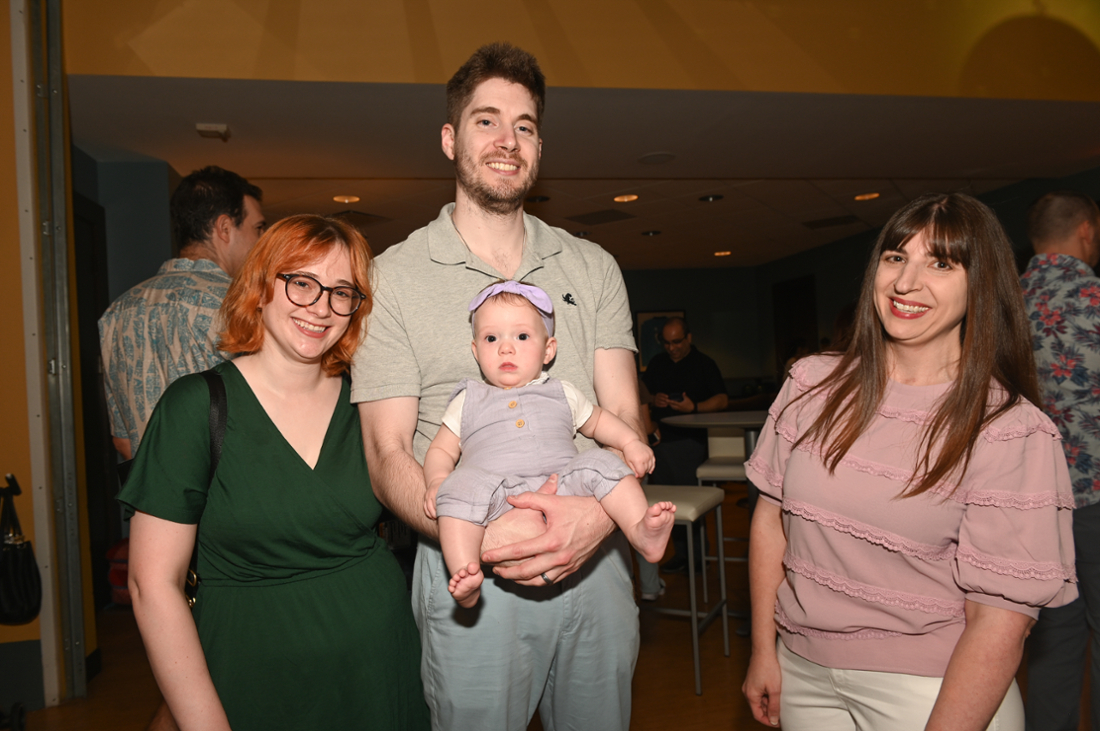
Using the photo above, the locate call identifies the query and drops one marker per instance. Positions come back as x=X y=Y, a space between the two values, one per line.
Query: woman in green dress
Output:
x=301 y=619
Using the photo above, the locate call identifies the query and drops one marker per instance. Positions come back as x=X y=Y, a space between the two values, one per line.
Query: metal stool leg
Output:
x=694 y=610
x=703 y=554
x=722 y=580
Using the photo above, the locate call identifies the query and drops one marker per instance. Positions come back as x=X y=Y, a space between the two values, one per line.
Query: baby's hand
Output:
x=639 y=457
x=429 y=501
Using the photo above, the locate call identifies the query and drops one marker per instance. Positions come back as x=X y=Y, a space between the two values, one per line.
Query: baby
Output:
x=516 y=430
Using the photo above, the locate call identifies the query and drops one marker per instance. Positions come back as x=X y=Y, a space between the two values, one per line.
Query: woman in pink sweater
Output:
x=915 y=506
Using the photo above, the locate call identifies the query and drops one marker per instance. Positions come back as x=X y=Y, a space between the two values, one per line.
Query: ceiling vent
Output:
x=597 y=217
x=359 y=219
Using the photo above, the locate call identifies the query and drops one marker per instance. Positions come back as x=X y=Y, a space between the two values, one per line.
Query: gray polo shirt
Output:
x=418 y=337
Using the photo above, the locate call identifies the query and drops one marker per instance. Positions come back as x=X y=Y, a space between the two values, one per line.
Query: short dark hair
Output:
x=1054 y=217
x=203 y=196
x=675 y=320
x=495 y=61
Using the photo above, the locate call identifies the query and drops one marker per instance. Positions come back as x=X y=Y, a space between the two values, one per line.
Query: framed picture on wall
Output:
x=647 y=328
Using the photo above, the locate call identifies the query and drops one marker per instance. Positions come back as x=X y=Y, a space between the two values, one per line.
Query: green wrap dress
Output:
x=302 y=612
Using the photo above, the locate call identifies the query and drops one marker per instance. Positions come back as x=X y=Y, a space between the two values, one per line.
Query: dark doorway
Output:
x=90 y=264
x=794 y=304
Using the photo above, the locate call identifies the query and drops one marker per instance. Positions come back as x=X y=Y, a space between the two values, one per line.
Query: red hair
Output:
x=291 y=244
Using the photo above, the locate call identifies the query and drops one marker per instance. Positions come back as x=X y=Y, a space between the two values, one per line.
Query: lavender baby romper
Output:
x=512 y=441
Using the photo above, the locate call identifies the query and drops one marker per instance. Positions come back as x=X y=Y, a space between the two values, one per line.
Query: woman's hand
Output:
x=767 y=544
x=762 y=687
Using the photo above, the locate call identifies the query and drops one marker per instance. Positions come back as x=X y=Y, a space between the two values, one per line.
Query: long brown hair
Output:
x=995 y=340
x=291 y=244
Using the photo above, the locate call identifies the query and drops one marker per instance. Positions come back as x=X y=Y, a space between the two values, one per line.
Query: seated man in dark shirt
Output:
x=682 y=381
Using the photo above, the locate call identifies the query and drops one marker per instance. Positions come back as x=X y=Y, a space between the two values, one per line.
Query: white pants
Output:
x=817 y=698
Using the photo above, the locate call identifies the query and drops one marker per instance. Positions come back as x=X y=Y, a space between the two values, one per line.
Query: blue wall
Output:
x=134 y=195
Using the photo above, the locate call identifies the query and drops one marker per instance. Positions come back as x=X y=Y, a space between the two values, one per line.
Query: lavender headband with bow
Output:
x=535 y=295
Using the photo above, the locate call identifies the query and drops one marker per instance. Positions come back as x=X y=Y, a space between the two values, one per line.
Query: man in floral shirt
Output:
x=166 y=327
x=1062 y=295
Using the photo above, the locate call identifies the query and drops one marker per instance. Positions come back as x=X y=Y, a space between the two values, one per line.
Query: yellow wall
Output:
x=910 y=47
x=14 y=429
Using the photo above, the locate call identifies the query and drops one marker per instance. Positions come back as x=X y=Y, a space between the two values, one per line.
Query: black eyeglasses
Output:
x=303 y=290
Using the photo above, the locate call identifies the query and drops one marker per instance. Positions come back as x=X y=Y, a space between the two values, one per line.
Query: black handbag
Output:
x=20 y=582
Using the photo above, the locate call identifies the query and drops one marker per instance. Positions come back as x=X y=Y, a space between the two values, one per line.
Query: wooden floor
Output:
x=124 y=695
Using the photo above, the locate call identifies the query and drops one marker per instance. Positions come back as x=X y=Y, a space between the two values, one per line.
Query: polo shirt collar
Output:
x=445 y=246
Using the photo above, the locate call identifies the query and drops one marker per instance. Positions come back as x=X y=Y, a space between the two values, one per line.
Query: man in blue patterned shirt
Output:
x=166 y=326
x=1062 y=294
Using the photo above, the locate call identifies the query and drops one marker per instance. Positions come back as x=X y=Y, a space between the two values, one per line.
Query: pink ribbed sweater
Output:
x=877 y=582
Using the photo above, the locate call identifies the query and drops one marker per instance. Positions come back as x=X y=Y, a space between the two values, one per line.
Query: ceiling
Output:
x=787 y=165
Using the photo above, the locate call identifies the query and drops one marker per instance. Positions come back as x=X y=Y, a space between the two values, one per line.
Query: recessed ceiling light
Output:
x=582 y=234
x=867 y=196
x=538 y=198
x=657 y=158
x=213 y=131
x=651 y=233
x=626 y=198
x=721 y=253
x=346 y=198
x=711 y=198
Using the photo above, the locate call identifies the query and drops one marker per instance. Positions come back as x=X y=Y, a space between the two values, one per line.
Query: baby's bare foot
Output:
x=650 y=535
x=465 y=585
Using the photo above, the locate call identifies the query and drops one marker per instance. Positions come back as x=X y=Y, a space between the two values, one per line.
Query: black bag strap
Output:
x=219 y=411
x=217 y=419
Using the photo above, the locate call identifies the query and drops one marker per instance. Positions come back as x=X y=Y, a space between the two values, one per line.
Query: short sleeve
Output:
x=452 y=417
x=768 y=462
x=579 y=406
x=385 y=364
x=614 y=326
x=1016 y=538
x=171 y=471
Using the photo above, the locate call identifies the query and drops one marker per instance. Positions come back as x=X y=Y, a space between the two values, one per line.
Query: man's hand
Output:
x=575 y=528
x=639 y=457
x=683 y=404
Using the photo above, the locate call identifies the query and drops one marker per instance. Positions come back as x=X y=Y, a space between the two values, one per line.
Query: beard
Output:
x=502 y=199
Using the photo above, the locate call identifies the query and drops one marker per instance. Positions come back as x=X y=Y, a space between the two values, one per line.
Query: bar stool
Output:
x=726 y=449
x=692 y=505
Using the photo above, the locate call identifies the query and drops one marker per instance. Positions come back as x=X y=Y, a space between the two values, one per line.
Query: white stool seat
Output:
x=693 y=503
x=722 y=469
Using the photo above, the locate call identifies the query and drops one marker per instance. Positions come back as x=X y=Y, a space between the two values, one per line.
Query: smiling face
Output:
x=921 y=300
x=305 y=334
x=496 y=148
x=510 y=343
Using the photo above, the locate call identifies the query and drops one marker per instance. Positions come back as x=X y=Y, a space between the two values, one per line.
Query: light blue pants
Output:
x=567 y=650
